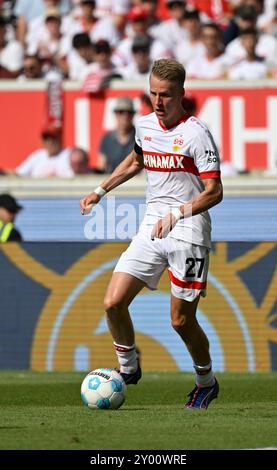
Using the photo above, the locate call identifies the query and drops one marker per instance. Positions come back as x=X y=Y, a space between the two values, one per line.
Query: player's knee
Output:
x=179 y=323
x=183 y=323
x=113 y=304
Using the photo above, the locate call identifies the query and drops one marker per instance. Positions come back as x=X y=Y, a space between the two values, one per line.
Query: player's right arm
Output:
x=128 y=168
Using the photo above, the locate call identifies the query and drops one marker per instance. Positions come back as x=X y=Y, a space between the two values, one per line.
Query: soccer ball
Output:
x=103 y=389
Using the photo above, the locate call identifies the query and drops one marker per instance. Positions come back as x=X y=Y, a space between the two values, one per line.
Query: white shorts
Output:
x=187 y=264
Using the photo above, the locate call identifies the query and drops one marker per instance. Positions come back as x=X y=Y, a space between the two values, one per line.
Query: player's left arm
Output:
x=212 y=195
x=207 y=161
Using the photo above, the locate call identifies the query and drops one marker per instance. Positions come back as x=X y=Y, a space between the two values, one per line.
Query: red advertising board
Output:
x=241 y=118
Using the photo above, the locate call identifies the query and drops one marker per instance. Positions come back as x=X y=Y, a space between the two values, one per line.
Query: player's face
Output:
x=166 y=98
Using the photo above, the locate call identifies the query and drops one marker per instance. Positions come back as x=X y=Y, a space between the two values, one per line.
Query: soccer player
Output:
x=183 y=182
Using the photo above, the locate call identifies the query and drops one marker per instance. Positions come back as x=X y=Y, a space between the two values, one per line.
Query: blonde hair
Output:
x=169 y=69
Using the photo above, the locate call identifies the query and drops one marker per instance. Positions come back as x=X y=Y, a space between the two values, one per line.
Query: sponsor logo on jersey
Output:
x=168 y=162
x=211 y=153
x=163 y=161
x=212 y=156
x=146 y=137
x=212 y=159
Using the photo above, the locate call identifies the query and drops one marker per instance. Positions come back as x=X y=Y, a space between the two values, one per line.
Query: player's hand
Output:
x=162 y=228
x=87 y=203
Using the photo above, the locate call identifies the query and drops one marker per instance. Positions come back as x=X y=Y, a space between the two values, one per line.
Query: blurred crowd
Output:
x=97 y=40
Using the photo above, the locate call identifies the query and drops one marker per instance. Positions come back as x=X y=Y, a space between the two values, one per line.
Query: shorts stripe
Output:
x=187 y=284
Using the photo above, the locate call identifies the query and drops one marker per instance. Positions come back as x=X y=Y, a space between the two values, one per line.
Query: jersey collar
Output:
x=183 y=118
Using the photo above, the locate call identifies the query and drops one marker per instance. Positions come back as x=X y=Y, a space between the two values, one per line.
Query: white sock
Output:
x=127 y=358
x=204 y=375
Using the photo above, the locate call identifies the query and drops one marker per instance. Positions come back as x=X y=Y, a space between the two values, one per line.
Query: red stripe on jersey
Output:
x=186 y=284
x=210 y=174
x=184 y=118
x=171 y=162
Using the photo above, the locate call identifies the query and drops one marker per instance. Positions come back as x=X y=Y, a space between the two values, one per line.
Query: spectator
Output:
x=6 y=10
x=139 y=68
x=51 y=160
x=215 y=11
x=151 y=7
x=111 y=27
x=88 y=18
x=106 y=7
x=81 y=20
x=27 y=10
x=245 y=17
x=31 y=68
x=189 y=48
x=98 y=75
x=266 y=45
x=79 y=161
x=264 y=9
x=213 y=63
x=9 y=208
x=82 y=54
x=138 y=17
x=171 y=31
x=115 y=145
x=11 y=54
x=45 y=40
x=252 y=67
x=103 y=7
x=271 y=26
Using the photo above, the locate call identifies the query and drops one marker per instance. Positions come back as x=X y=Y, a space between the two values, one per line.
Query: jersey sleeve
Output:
x=138 y=144
x=205 y=153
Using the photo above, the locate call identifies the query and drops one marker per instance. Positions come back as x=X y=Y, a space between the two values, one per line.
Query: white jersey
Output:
x=40 y=165
x=202 y=68
x=247 y=70
x=266 y=48
x=176 y=161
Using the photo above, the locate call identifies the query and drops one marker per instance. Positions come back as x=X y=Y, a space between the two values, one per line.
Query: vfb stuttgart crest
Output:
x=178 y=141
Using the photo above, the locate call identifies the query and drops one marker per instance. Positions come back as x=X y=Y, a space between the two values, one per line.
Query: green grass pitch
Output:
x=45 y=411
